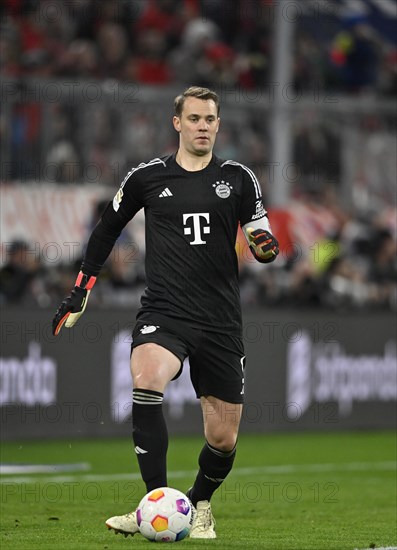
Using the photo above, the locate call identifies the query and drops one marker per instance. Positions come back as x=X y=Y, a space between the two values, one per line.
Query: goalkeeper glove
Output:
x=263 y=245
x=74 y=305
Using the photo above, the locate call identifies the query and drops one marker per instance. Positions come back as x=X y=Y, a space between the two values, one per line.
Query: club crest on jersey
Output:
x=222 y=189
x=147 y=329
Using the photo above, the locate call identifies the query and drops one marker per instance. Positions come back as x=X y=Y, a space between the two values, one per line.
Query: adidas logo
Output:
x=140 y=451
x=165 y=193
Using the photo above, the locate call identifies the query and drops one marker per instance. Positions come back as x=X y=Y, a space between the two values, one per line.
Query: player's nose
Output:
x=203 y=126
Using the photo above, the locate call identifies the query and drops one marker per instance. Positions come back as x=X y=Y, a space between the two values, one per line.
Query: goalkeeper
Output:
x=194 y=203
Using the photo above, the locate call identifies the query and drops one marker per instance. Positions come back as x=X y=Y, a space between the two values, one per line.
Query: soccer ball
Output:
x=165 y=515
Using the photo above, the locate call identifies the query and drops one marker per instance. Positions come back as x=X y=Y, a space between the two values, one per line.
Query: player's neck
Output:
x=192 y=163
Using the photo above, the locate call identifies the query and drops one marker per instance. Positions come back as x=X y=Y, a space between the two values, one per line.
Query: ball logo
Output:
x=222 y=189
x=147 y=329
x=182 y=506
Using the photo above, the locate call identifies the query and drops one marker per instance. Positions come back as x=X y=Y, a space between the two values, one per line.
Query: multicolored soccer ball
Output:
x=165 y=515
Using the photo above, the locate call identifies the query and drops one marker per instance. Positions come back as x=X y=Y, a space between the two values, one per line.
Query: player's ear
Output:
x=218 y=124
x=177 y=123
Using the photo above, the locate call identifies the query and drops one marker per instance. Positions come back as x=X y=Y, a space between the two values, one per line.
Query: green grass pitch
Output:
x=287 y=491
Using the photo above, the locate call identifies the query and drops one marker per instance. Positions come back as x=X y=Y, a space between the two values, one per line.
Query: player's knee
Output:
x=149 y=378
x=152 y=367
x=224 y=442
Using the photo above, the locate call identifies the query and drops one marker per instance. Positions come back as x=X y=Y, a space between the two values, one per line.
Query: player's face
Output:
x=197 y=125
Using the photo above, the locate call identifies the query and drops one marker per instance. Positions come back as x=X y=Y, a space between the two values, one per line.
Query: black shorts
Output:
x=217 y=360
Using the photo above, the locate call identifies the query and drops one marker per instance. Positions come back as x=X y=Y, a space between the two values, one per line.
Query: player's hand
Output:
x=264 y=246
x=74 y=305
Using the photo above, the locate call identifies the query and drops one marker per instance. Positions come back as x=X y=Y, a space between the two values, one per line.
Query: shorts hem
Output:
x=226 y=399
x=165 y=346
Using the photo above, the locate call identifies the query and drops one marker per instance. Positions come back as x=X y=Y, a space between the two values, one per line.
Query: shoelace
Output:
x=205 y=519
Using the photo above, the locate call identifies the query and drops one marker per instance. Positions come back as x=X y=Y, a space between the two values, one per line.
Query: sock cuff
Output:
x=147 y=397
x=223 y=454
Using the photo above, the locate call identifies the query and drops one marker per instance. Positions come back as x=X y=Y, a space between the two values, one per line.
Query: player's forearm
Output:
x=99 y=246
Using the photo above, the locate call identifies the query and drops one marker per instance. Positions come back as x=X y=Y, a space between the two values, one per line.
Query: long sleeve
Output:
x=126 y=203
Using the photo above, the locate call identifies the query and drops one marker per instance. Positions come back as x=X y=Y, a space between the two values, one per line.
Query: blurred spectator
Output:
x=316 y=151
x=149 y=65
x=139 y=136
x=226 y=142
x=377 y=159
x=80 y=60
x=167 y=17
x=122 y=279
x=309 y=64
x=18 y=273
x=219 y=67
x=88 y=16
x=9 y=49
x=24 y=135
x=383 y=270
x=105 y=156
x=388 y=73
x=355 y=54
x=113 y=50
x=187 y=58
x=44 y=33
x=63 y=164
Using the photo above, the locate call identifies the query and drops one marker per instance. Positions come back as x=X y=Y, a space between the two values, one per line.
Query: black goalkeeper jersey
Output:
x=191 y=222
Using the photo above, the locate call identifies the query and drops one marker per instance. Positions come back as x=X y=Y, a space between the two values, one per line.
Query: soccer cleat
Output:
x=126 y=524
x=203 y=523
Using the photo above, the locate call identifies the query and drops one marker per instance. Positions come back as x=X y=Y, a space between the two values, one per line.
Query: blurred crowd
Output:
x=329 y=258
x=209 y=42
x=333 y=253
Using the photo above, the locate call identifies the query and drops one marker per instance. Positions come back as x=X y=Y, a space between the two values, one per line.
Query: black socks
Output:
x=150 y=435
x=214 y=467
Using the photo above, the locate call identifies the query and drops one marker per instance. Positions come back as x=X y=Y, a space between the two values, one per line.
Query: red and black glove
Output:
x=74 y=305
x=263 y=245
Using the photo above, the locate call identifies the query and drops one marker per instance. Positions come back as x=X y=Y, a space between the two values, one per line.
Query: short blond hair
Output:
x=200 y=93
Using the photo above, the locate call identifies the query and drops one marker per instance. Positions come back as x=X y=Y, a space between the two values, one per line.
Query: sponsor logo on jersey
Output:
x=147 y=329
x=166 y=193
x=198 y=229
x=222 y=189
x=259 y=210
x=117 y=199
